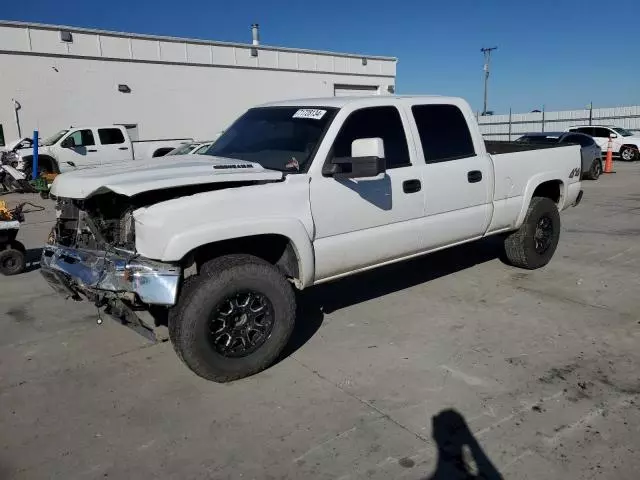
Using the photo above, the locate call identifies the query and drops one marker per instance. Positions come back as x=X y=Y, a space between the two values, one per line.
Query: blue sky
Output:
x=562 y=53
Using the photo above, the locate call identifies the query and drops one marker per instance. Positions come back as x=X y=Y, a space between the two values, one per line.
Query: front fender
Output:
x=182 y=243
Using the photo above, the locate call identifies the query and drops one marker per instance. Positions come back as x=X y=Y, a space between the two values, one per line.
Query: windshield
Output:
x=47 y=142
x=278 y=138
x=623 y=132
x=183 y=149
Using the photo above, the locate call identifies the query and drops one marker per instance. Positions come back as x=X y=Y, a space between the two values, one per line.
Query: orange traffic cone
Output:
x=608 y=163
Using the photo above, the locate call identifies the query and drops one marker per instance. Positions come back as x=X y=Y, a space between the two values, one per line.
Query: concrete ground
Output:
x=450 y=363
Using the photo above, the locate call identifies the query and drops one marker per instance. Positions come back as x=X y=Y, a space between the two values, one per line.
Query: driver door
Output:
x=361 y=222
x=78 y=148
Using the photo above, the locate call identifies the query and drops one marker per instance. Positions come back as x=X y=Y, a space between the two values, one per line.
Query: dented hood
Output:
x=134 y=177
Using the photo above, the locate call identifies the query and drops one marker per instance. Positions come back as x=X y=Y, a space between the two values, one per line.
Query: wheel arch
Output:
x=42 y=159
x=631 y=146
x=542 y=186
x=286 y=245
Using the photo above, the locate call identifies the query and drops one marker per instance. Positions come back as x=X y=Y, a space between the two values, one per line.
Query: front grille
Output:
x=91 y=229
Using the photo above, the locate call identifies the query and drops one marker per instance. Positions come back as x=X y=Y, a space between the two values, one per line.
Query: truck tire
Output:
x=534 y=243
x=629 y=154
x=12 y=261
x=595 y=171
x=234 y=319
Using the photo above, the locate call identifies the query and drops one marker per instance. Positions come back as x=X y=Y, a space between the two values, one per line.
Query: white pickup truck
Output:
x=295 y=194
x=86 y=147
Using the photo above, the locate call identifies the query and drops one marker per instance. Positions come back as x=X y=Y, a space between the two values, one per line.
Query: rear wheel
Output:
x=629 y=154
x=535 y=242
x=234 y=319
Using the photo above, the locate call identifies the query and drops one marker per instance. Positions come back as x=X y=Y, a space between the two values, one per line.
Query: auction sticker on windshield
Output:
x=312 y=113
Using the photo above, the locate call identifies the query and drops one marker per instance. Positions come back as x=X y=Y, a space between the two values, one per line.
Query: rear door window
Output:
x=585 y=130
x=601 y=132
x=444 y=132
x=110 y=136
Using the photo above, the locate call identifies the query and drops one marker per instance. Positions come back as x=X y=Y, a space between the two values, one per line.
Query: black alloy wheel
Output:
x=543 y=235
x=241 y=323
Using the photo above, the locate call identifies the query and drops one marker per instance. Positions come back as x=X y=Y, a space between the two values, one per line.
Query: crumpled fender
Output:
x=184 y=242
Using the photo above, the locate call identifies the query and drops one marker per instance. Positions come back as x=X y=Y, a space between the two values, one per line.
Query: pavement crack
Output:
x=563 y=298
x=364 y=402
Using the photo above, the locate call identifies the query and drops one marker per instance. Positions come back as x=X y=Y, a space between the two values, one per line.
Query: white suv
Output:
x=624 y=143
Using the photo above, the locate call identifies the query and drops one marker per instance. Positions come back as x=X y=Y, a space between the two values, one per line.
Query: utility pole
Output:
x=487 y=63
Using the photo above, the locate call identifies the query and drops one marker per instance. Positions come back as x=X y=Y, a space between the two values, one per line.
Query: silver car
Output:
x=591 y=152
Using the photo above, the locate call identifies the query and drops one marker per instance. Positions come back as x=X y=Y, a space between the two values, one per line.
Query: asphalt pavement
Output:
x=450 y=365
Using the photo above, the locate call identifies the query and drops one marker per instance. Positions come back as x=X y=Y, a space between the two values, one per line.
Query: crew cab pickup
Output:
x=295 y=194
x=86 y=147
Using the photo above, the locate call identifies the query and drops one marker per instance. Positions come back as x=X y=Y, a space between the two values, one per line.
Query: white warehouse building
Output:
x=52 y=77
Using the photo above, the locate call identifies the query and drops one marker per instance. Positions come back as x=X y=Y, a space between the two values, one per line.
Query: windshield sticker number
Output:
x=311 y=113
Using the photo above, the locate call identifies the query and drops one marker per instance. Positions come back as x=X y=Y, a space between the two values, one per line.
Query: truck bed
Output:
x=497 y=147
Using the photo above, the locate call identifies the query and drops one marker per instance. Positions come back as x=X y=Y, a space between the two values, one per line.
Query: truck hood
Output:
x=134 y=177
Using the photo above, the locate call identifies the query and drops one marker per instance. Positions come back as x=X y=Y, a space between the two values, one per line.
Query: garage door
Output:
x=354 y=90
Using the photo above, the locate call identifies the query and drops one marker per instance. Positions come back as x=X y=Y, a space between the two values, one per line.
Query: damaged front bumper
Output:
x=93 y=274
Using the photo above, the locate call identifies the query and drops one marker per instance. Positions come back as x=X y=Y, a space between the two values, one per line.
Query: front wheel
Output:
x=629 y=154
x=233 y=322
x=534 y=243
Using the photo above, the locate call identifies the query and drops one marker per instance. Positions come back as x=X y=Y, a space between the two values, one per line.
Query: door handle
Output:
x=123 y=148
x=474 y=176
x=90 y=150
x=411 y=186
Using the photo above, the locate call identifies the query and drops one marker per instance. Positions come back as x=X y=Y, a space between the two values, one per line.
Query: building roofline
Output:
x=44 y=26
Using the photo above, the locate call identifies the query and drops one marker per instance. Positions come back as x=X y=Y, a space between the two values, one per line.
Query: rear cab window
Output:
x=444 y=132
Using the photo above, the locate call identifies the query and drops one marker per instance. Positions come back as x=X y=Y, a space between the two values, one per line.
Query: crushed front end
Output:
x=91 y=254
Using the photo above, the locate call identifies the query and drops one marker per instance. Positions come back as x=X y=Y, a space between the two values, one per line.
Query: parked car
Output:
x=624 y=143
x=84 y=147
x=192 y=148
x=295 y=194
x=589 y=149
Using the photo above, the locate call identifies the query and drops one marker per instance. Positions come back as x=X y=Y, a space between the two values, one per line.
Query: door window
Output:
x=375 y=122
x=601 y=132
x=444 y=132
x=585 y=130
x=110 y=136
x=83 y=138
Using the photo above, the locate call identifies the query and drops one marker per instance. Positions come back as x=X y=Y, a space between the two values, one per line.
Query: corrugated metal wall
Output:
x=498 y=127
